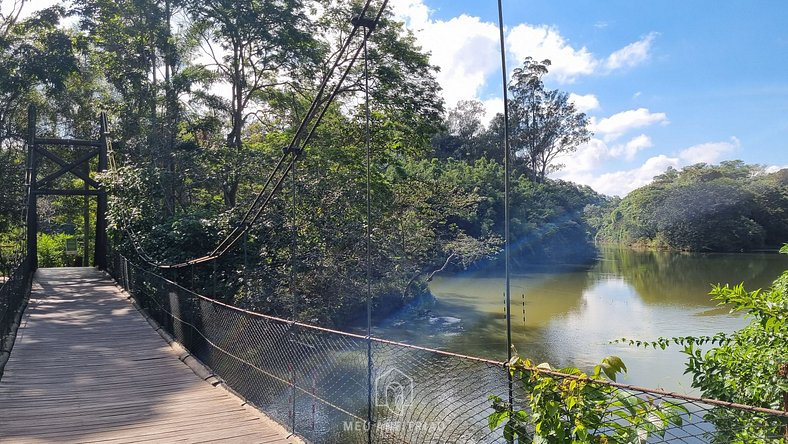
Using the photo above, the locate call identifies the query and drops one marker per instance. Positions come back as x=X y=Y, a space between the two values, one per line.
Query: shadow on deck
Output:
x=87 y=367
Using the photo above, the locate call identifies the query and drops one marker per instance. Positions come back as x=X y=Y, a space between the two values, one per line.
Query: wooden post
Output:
x=32 y=213
x=86 y=220
x=100 y=256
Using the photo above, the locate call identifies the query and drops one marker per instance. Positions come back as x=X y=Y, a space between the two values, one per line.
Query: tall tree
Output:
x=36 y=58
x=254 y=46
x=464 y=134
x=545 y=124
x=132 y=44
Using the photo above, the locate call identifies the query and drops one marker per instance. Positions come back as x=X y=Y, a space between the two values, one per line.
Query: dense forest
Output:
x=203 y=96
x=727 y=207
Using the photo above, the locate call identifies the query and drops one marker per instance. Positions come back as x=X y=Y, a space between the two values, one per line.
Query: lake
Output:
x=568 y=318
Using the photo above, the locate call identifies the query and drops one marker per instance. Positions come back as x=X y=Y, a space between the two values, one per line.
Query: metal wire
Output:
x=317 y=378
x=367 y=142
x=13 y=292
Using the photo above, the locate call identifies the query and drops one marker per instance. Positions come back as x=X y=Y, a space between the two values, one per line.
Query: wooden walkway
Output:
x=87 y=367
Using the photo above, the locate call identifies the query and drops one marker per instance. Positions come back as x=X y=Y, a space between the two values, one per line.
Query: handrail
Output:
x=314 y=378
x=13 y=298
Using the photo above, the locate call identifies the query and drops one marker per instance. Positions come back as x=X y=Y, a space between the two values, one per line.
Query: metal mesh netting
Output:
x=325 y=385
x=12 y=294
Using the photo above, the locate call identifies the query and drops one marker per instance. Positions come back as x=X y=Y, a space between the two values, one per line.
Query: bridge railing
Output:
x=331 y=386
x=14 y=289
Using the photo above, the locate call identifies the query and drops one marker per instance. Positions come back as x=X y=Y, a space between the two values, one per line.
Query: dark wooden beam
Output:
x=32 y=213
x=71 y=166
x=100 y=254
x=68 y=142
x=55 y=158
x=70 y=192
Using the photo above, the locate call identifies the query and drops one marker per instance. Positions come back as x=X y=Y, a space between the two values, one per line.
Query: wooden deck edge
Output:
x=206 y=373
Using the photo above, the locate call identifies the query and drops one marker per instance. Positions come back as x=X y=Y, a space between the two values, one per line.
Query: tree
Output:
x=727 y=207
x=36 y=58
x=129 y=44
x=463 y=136
x=262 y=45
x=544 y=123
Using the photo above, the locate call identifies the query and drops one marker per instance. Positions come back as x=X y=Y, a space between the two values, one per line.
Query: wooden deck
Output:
x=87 y=367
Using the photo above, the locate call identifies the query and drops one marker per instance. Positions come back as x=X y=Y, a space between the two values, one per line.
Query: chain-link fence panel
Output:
x=329 y=386
x=13 y=293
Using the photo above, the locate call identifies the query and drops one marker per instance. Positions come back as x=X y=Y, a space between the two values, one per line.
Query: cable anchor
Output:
x=364 y=22
x=292 y=149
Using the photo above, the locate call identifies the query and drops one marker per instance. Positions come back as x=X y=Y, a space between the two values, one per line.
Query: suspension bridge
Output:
x=123 y=353
x=120 y=353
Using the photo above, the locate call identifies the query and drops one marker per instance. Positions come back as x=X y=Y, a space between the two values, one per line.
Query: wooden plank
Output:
x=88 y=368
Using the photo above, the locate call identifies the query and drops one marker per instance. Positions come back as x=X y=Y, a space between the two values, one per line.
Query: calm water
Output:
x=571 y=316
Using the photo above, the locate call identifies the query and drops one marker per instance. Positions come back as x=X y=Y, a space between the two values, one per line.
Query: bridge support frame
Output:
x=37 y=151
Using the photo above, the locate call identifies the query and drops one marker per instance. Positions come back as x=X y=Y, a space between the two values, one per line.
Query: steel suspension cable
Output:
x=506 y=198
x=367 y=142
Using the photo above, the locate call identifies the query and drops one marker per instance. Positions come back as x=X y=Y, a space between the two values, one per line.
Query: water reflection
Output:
x=571 y=316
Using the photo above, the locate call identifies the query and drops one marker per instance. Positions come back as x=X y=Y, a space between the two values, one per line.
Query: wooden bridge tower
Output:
x=80 y=167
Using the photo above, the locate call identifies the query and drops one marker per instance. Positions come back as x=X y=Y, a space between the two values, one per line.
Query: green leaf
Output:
x=496 y=418
x=611 y=366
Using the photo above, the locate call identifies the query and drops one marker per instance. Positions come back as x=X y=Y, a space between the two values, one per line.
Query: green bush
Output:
x=52 y=250
x=570 y=406
x=748 y=366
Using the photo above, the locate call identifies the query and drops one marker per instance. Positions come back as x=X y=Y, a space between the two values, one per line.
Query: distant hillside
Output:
x=727 y=207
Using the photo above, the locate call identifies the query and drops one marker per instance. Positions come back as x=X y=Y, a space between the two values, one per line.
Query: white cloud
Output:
x=545 y=42
x=631 y=55
x=583 y=165
x=596 y=153
x=584 y=103
x=465 y=48
x=774 y=168
x=414 y=13
x=631 y=148
x=589 y=156
x=491 y=108
x=710 y=152
x=619 y=183
x=618 y=124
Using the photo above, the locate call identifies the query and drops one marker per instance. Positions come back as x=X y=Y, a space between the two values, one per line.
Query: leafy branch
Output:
x=568 y=405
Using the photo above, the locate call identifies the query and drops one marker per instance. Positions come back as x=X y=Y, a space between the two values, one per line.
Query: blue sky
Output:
x=666 y=83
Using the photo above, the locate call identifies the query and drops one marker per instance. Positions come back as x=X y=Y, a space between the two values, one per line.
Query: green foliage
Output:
x=568 y=405
x=725 y=207
x=543 y=125
x=188 y=157
x=52 y=250
x=748 y=366
x=36 y=58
